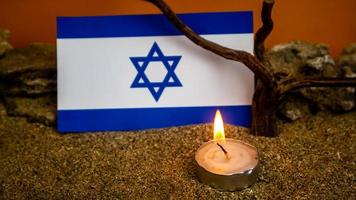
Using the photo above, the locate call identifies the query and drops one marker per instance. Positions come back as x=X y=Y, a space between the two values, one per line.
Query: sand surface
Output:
x=313 y=158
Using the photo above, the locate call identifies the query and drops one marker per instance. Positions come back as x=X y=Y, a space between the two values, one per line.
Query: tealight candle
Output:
x=226 y=164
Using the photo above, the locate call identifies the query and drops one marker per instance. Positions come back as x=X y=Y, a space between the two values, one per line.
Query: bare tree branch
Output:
x=293 y=84
x=265 y=30
x=246 y=58
x=268 y=92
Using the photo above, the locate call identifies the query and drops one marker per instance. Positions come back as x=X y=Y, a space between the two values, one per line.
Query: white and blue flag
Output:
x=138 y=71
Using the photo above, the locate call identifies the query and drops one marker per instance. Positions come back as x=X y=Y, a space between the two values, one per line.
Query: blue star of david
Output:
x=169 y=62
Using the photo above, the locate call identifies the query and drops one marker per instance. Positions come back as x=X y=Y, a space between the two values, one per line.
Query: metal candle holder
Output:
x=230 y=182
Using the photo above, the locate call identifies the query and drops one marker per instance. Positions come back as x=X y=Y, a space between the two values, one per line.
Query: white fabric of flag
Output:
x=137 y=72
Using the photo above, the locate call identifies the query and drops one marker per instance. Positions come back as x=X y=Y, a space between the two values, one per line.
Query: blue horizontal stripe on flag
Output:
x=153 y=25
x=147 y=118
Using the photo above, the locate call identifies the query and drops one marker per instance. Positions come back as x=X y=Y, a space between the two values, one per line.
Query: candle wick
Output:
x=223 y=149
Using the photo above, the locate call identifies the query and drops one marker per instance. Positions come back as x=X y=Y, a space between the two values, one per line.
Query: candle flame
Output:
x=219 y=134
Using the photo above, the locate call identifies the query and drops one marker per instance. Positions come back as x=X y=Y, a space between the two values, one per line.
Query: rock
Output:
x=294 y=107
x=4 y=44
x=28 y=83
x=30 y=70
x=334 y=99
x=299 y=59
x=350 y=49
x=323 y=66
x=347 y=61
x=35 y=57
x=41 y=109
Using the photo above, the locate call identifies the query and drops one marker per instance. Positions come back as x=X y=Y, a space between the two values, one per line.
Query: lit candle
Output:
x=226 y=164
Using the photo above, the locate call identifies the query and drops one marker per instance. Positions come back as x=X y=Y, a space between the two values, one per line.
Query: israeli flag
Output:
x=139 y=72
